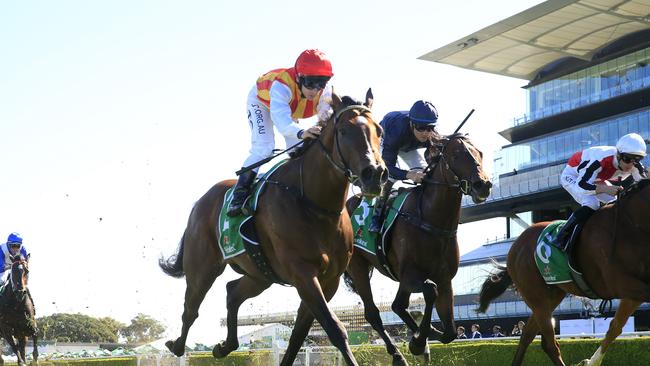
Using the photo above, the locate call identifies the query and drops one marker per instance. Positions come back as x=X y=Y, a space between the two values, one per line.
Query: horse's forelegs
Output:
x=22 y=344
x=35 y=350
x=361 y=280
x=530 y=331
x=313 y=296
x=400 y=306
x=625 y=309
x=197 y=287
x=304 y=320
x=445 y=309
x=418 y=344
x=549 y=343
x=14 y=348
x=238 y=291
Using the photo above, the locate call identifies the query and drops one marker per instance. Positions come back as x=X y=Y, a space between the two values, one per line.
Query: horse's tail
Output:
x=173 y=266
x=350 y=284
x=495 y=285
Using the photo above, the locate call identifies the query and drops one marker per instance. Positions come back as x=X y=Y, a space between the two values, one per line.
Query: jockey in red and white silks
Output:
x=280 y=98
x=591 y=167
x=588 y=174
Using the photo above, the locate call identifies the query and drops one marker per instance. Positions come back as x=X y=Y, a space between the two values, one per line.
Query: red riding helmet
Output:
x=313 y=62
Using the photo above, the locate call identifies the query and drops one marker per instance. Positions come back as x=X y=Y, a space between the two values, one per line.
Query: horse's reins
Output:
x=343 y=166
x=463 y=184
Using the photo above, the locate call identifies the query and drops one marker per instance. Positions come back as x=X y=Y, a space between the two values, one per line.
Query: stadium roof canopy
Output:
x=523 y=44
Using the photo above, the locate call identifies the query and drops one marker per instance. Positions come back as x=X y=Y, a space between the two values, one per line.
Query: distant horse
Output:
x=423 y=250
x=17 y=316
x=613 y=253
x=302 y=226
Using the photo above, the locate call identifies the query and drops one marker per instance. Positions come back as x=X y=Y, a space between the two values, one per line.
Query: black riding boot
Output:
x=578 y=217
x=242 y=189
x=378 y=212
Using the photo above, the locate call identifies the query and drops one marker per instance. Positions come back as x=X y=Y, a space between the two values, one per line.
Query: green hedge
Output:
x=627 y=351
x=257 y=358
x=117 y=361
x=630 y=351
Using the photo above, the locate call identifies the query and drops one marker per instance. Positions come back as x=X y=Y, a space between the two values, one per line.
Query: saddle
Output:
x=237 y=234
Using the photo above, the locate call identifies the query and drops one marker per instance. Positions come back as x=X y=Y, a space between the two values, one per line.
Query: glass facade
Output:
x=559 y=146
x=469 y=279
x=591 y=85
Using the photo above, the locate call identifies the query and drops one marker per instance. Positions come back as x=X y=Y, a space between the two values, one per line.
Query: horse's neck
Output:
x=324 y=184
x=441 y=204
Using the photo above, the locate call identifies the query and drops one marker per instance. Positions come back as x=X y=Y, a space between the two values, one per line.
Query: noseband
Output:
x=342 y=167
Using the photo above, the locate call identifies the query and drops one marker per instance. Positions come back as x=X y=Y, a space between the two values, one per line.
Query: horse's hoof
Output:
x=170 y=347
x=447 y=338
x=416 y=348
x=399 y=360
x=435 y=333
x=220 y=350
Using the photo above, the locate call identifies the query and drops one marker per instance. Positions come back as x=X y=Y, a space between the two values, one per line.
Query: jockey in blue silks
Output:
x=404 y=134
x=11 y=249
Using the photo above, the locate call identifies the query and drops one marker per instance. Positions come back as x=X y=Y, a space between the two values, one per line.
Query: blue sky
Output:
x=116 y=116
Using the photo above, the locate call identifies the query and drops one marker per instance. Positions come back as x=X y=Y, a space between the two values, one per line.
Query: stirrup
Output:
x=375 y=225
x=236 y=210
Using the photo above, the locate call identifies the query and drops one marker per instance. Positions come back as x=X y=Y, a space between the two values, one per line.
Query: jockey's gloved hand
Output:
x=311 y=133
x=415 y=175
x=610 y=190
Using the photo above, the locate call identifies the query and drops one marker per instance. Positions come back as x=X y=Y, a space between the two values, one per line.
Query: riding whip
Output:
x=266 y=160
x=465 y=120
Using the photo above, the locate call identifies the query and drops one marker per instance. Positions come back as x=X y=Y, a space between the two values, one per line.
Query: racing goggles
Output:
x=314 y=82
x=424 y=128
x=627 y=158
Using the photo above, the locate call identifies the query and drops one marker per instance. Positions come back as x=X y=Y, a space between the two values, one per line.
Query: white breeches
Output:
x=262 y=133
x=570 y=182
x=413 y=159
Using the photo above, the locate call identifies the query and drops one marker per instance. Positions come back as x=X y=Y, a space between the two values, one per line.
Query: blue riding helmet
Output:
x=15 y=239
x=423 y=113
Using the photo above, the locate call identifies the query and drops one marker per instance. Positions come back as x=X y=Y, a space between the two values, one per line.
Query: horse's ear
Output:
x=369 y=98
x=336 y=100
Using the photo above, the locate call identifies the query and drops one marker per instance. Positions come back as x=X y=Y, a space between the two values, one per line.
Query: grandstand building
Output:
x=585 y=65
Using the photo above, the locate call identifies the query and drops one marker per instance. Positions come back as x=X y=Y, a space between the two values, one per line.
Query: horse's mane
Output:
x=633 y=188
x=346 y=101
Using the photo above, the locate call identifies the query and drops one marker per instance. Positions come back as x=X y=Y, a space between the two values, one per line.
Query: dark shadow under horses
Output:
x=17 y=316
x=613 y=253
x=423 y=249
x=306 y=236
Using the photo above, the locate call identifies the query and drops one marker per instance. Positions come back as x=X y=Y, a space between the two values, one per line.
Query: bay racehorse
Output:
x=303 y=229
x=614 y=255
x=423 y=250
x=17 y=315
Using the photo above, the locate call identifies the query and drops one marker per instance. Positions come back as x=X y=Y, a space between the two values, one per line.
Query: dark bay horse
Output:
x=17 y=316
x=303 y=229
x=423 y=250
x=613 y=252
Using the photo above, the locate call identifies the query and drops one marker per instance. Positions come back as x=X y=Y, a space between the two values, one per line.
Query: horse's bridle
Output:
x=343 y=165
x=463 y=184
x=13 y=283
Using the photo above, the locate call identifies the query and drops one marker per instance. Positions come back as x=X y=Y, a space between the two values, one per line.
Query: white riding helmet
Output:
x=632 y=144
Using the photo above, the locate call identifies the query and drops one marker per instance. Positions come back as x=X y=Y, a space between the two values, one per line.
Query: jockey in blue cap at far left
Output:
x=11 y=249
